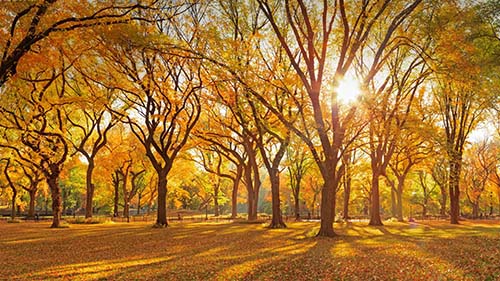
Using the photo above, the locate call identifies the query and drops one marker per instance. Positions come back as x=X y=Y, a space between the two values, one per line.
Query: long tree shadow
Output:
x=401 y=252
x=249 y=252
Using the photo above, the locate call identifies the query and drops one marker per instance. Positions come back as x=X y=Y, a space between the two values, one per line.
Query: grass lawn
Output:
x=232 y=251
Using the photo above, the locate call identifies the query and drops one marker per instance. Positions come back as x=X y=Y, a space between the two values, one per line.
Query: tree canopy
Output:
x=313 y=109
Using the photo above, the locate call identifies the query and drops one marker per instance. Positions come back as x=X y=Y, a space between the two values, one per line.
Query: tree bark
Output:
x=12 y=187
x=255 y=189
x=252 y=182
x=255 y=205
x=475 y=209
x=161 y=219
x=347 y=197
x=126 y=206
x=296 y=208
x=116 y=183
x=277 y=219
x=375 y=201
x=442 y=202
x=34 y=178
x=399 y=200
x=53 y=183
x=31 y=210
x=139 y=203
x=216 y=199
x=13 y=202
x=454 y=189
x=250 y=211
x=328 y=205
x=234 y=194
x=89 y=206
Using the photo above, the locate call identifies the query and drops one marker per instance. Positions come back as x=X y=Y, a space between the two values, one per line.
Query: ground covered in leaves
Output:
x=235 y=251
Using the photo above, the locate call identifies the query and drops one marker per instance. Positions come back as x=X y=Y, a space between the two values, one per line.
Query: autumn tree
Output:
x=349 y=160
x=34 y=35
x=124 y=162
x=161 y=94
x=462 y=95
x=26 y=26
x=411 y=149
x=271 y=140
x=121 y=177
x=323 y=33
x=297 y=163
x=247 y=138
x=221 y=140
x=117 y=179
x=90 y=121
x=34 y=178
x=312 y=191
x=41 y=127
x=480 y=164
x=214 y=162
x=255 y=134
x=10 y=184
x=228 y=125
x=427 y=189
x=143 y=182
x=392 y=95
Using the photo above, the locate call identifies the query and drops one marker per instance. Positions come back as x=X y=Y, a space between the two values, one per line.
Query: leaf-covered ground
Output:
x=231 y=251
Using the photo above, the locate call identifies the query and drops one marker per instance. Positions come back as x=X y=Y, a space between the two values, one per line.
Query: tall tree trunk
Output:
x=442 y=202
x=31 y=210
x=375 y=200
x=296 y=193
x=126 y=192
x=126 y=206
x=454 y=189
x=327 y=211
x=296 y=208
x=234 y=194
x=399 y=195
x=139 y=203
x=234 y=200
x=13 y=202
x=277 y=219
x=126 y=199
x=12 y=187
x=394 y=199
x=255 y=205
x=216 y=198
x=55 y=190
x=251 y=212
x=255 y=183
x=116 y=201
x=252 y=186
x=250 y=206
x=475 y=209
x=347 y=197
x=65 y=193
x=399 y=199
x=161 y=219
x=89 y=206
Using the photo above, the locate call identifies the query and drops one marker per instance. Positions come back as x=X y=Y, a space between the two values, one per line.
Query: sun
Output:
x=348 y=89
